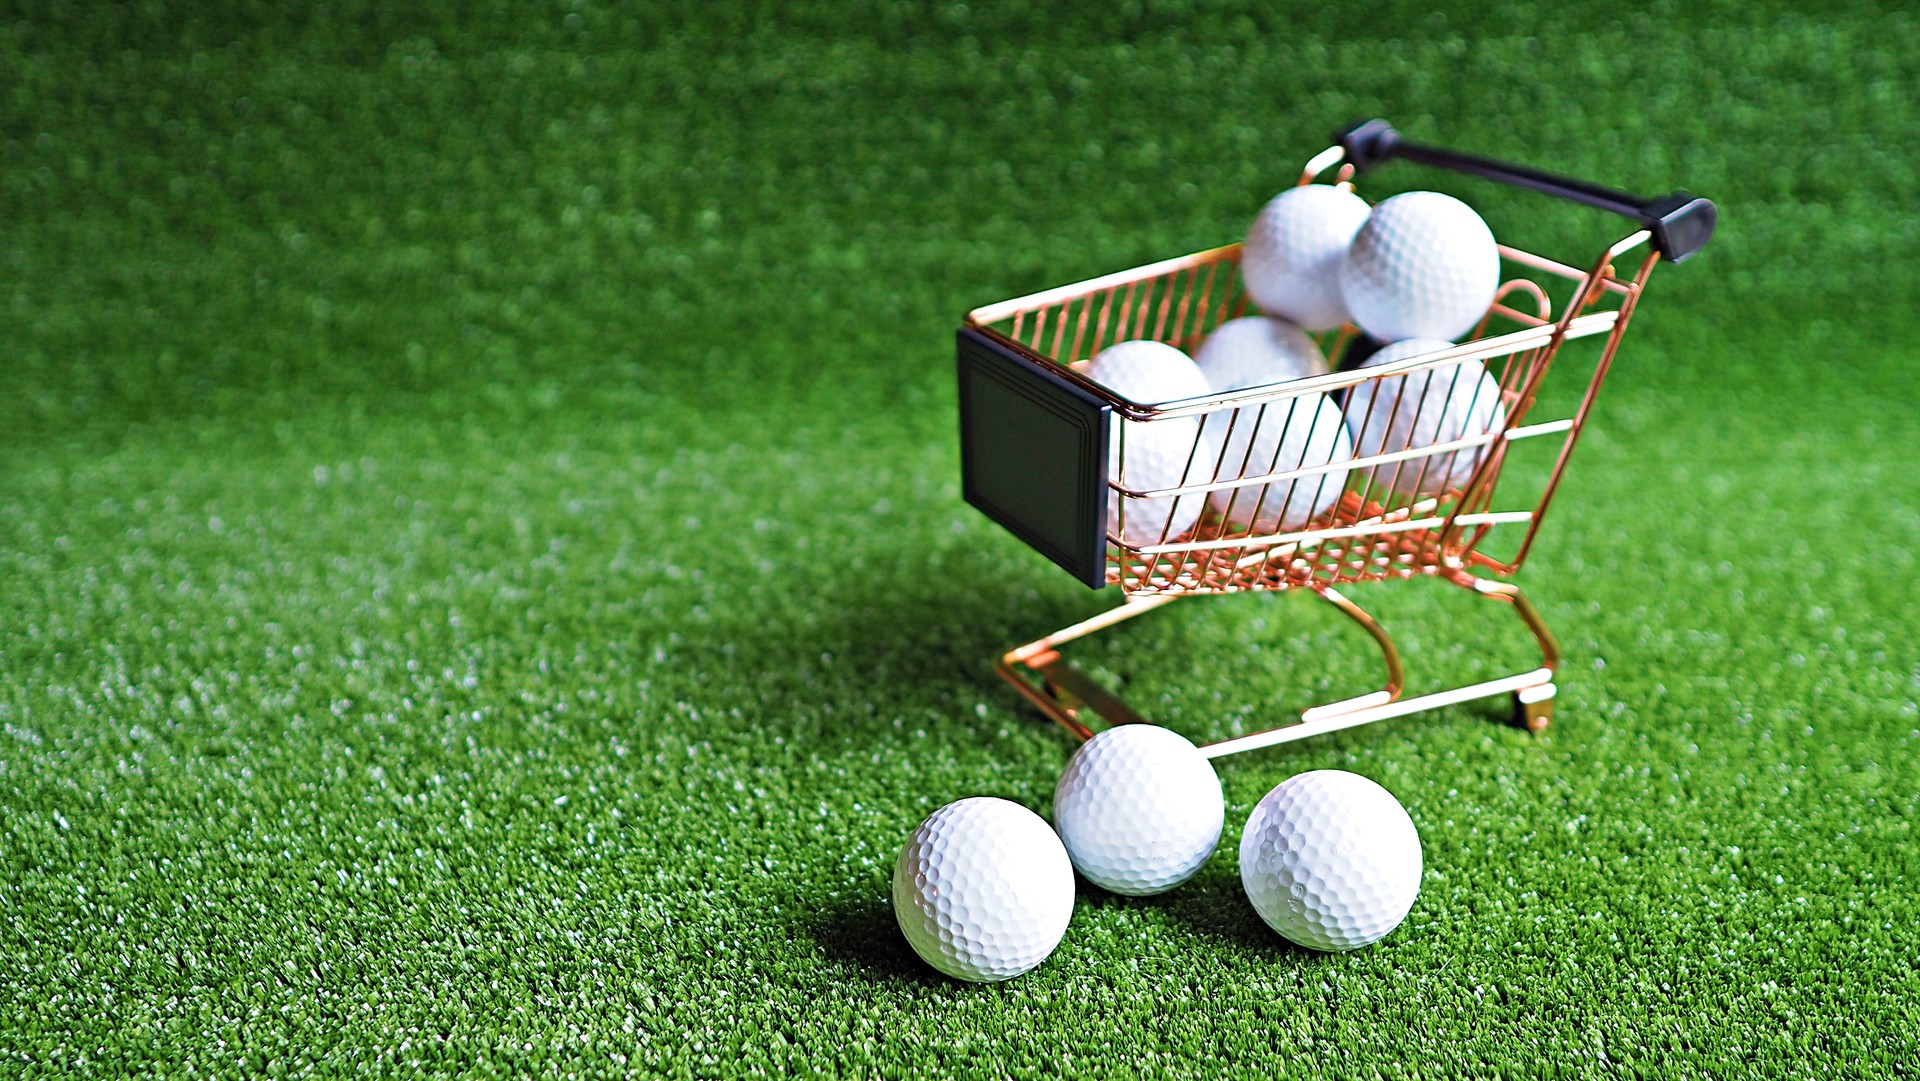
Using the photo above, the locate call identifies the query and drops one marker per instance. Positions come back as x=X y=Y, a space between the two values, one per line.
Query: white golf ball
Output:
x=1421 y=409
x=1164 y=454
x=1255 y=351
x=1139 y=809
x=1290 y=264
x=1295 y=433
x=983 y=890
x=1300 y=432
x=1423 y=266
x=1147 y=372
x=1150 y=455
x=1331 y=860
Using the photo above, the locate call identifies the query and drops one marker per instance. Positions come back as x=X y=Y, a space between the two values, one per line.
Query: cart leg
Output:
x=1332 y=716
x=1061 y=691
x=1533 y=704
x=1056 y=688
x=1389 y=653
x=1533 y=707
x=1532 y=692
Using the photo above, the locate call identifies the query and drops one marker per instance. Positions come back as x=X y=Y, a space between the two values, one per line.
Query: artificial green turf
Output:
x=483 y=586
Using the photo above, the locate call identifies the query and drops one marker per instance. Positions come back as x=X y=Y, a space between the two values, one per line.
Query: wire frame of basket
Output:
x=1358 y=475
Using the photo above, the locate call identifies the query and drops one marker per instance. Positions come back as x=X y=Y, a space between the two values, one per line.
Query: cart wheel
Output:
x=1533 y=707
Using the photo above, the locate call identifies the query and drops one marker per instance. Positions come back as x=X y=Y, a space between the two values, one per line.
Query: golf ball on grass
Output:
x=1331 y=860
x=1290 y=264
x=983 y=890
x=1150 y=455
x=1423 y=409
x=1139 y=809
x=1423 y=266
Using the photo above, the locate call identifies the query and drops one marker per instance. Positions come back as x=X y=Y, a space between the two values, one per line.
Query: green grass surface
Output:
x=483 y=586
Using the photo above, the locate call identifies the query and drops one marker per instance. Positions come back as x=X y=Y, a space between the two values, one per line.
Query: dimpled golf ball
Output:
x=1255 y=351
x=1290 y=264
x=1151 y=455
x=1331 y=860
x=1157 y=456
x=1300 y=432
x=1421 y=409
x=1139 y=809
x=983 y=890
x=1423 y=266
x=1147 y=372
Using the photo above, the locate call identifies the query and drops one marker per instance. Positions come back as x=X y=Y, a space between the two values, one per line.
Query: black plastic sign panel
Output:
x=1033 y=455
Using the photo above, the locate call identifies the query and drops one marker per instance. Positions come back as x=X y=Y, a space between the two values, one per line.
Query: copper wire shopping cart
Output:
x=1043 y=454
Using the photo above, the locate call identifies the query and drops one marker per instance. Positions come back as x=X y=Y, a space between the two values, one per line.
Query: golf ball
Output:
x=1290 y=264
x=1150 y=455
x=1300 y=432
x=1423 y=266
x=1421 y=409
x=983 y=890
x=1163 y=454
x=1331 y=860
x=1139 y=809
x=1147 y=372
x=1257 y=350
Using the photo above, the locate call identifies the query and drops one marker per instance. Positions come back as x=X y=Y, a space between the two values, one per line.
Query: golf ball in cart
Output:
x=1290 y=264
x=983 y=890
x=1147 y=372
x=1422 y=409
x=1154 y=456
x=1150 y=455
x=1139 y=809
x=1298 y=432
x=1331 y=860
x=1423 y=266
x=1256 y=350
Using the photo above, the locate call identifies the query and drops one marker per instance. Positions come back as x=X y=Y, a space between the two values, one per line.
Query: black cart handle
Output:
x=1681 y=223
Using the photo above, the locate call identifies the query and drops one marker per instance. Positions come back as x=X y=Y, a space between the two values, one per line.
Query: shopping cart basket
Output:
x=1043 y=454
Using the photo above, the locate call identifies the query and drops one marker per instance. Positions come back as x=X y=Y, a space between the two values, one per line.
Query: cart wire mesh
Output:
x=1250 y=511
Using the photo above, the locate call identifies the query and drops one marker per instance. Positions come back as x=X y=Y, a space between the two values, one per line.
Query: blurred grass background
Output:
x=483 y=586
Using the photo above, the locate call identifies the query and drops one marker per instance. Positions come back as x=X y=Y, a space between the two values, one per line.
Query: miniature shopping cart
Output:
x=1044 y=447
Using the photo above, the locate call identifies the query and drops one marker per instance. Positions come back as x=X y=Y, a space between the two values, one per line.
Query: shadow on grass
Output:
x=1209 y=906
x=865 y=657
x=861 y=933
x=953 y=628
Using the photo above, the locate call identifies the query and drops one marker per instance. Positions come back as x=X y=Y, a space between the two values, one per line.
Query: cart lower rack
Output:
x=1244 y=504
